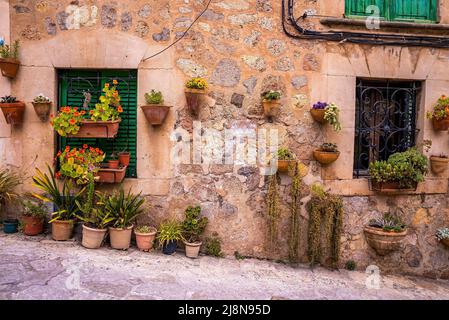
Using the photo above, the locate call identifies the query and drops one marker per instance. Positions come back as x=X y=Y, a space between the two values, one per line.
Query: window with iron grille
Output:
x=385 y=120
x=74 y=84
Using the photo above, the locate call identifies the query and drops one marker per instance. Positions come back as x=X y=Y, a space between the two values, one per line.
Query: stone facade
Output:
x=240 y=48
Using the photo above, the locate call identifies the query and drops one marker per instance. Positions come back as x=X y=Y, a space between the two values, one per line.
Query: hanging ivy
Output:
x=295 y=208
x=273 y=210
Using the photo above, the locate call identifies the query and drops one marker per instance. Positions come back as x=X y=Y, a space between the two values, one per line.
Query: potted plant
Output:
x=192 y=228
x=124 y=158
x=440 y=114
x=170 y=232
x=324 y=112
x=9 y=59
x=270 y=102
x=12 y=109
x=438 y=164
x=42 y=106
x=64 y=201
x=113 y=162
x=145 y=236
x=328 y=153
x=286 y=159
x=443 y=236
x=401 y=172
x=125 y=208
x=386 y=234
x=9 y=181
x=155 y=111
x=33 y=217
x=195 y=90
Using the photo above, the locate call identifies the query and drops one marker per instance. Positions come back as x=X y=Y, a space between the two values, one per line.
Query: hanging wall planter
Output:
x=440 y=114
x=106 y=175
x=155 y=114
x=12 y=109
x=9 y=59
x=42 y=107
x=328 y=153
x=439 y=164
x=441 y=124
x=97 y=129
x=318 y=115
x=195 y=92
x=271 y=104
x=384 y=242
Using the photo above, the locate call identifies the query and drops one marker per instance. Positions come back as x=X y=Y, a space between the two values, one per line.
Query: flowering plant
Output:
x=80 y=164
x=331 y=115
x=271 y=95
x=320 y=105
x=197 y=83
x=440 y=110
x=67 y=121
x=41 y=99
x=109 y=108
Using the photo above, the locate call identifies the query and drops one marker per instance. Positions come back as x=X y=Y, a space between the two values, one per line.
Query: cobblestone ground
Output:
x=37 y=268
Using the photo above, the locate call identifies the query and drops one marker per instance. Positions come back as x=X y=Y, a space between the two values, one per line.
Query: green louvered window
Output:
x=395 y=10
x=72 y=86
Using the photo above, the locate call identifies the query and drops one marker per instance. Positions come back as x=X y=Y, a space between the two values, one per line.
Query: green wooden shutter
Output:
x=414 y=10
x=72 y=84
x=358 y=8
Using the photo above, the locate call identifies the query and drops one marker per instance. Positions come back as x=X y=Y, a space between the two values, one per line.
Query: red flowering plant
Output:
x=109 y=108
x=440 y=110
x=80 y=164
x=67 y=121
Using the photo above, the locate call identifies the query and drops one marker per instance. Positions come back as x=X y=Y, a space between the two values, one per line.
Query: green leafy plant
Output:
x=197 y=83
x=332 y=115
x=213 y=246
x=351 y=265
x=407 y=168
x=442 y=234
x=109 y=108
x=388 y=223
x=154 y=97
x=10 y=52
x=271 y=95
x=145 y=229
x=193 y=225
x=67 y=121
x=285 y=154
x=124 y=208
x=169 y=231
x=273 y=210
x=41 y=99
x=238 y=256
x=440 y=109
x=295 y=209
x=35 y=209
x=329 y=147
x=9 y=181
x=8 y=99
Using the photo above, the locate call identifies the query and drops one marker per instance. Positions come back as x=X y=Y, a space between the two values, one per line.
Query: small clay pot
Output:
x=384 y=242
x=271 y=108
x=194 y=98
x=93 y=238
x=9 y=67
x=155 y=114
x=145 y=240
x=440 y=125
x=120 y=238
x=124 y=158
x=32 y=226
x=318 y=115
x=326 y=158
x=193 y=249
x=284 y=165
x=13 y=112
x=113 y=164
x=438 y=165
x=42 y=110
x=61 y=230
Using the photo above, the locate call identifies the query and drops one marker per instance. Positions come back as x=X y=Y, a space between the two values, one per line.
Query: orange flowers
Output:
x=57 y=175
x=119 y=109
x=106 y=85
x=82 y=112
x=72 y=121
x=67 y=149
x=115 y=82
x=85 y=146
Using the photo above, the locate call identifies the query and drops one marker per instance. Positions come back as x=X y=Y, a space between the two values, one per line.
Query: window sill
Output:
x=388 y=25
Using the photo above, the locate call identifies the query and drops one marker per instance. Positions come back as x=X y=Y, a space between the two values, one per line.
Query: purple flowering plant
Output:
x=320 y=105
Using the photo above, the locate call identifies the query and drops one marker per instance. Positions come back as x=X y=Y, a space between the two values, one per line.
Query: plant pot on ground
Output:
x=10 y=226
x=42 y=107
x=155 y=111
x=9 y=181
x=440 y=114
x=12 y=109
x=443 y=236
x=386 y=234
x=328 y=153
x=286 y=160
x=271 y=104
x=192 y=228
x=195 y=91
x=323 y=112
x=439 y=164
x=9 y=59
x=170 y=232
x=145 y=236
x=125 y=208
x=33 y=217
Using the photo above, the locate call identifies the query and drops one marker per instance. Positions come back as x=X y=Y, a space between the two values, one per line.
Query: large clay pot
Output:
x=93 y=238
x=124 y=158
x=193 y=249
x=9 y=67
x=61 y=230
x=145 y=240
x=326 y=158
x=13 y=112
x=32 y=226
x=42 y=110
x=318 y=115
x=120 y=238
x=194 y=97
x=384 y=242
x=284 y=165
x=97 y=129
x=440 y=125
x=271 y=108
x=390 y=187
x=155 y=114
x=106 y=175
x=438 y=164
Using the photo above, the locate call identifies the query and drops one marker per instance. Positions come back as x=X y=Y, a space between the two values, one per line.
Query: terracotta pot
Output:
x=145 y=240
x=390 y=187
x=93 y=238
x=193 y=249
x=440 y=125
x=283 y=165
x=13 y=112
x=318 y=115
x=97 y=129
x=445 y=242
x=438 y=165
x=194 y=97
x=120 y=238
x=326 y=158
x=124 y=158
x=42 y=110
x=9 y=67
x=32 y=226
x=384 y=242
x=113 y=164
x=155 y=113
x=61 y=230
x=106 y=175
x=271 y=108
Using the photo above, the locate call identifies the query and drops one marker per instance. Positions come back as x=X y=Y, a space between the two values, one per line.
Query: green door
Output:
x=73 y=84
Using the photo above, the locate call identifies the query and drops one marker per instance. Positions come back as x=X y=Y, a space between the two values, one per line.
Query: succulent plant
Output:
x=154 y=97
x=8 y=99
x=271 y=95
x=285 y=154
x=41 y=99
x=388 y=223
x=329 y=147
x=442 y=234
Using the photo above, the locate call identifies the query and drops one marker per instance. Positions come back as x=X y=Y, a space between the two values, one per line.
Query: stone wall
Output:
x=240 y=48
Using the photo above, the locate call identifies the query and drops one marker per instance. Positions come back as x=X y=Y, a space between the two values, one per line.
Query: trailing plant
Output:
x=271 y=95
x=197 y=83
x=295 y=209
x=8 y=99
x=440 y=109
x=10 y=52
x=213 y=246
x=67 y=121
x=273 y=214
x=350 y=265
x=329 y=147
x=64 y=201
x=9 y=181
x=145 y=229
x=285 y=154
x=124 y=208
x=41 y=99
x=154 y=97
x=407 y=168
x=109 y=108
x=169 y=230
x=35 y=209
x=193 y=225
x=442 y=234
x=332 y=115
x=388 y=223
x=325 y=226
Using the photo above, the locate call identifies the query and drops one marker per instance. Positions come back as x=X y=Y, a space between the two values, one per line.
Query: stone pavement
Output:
x=36 y=268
